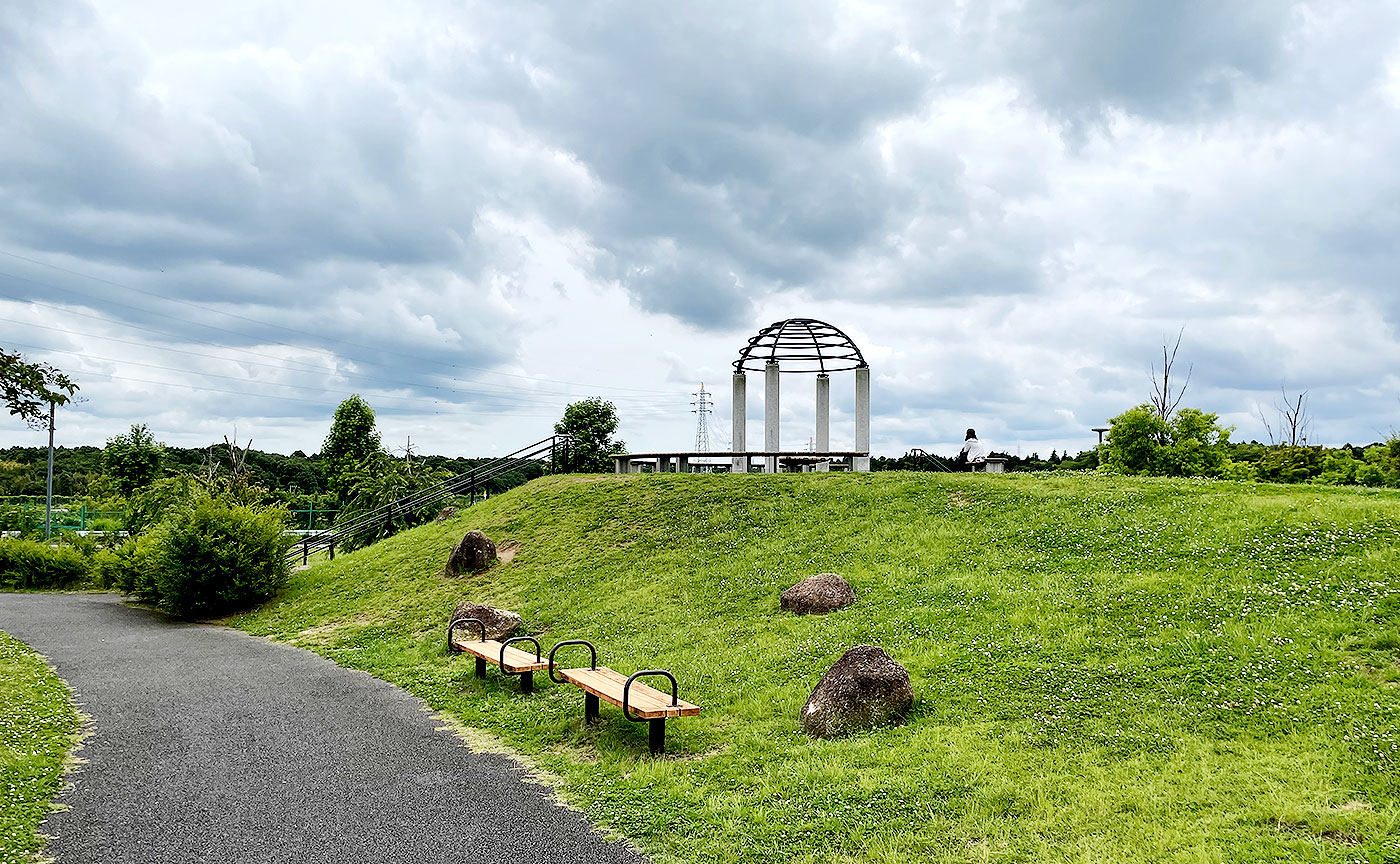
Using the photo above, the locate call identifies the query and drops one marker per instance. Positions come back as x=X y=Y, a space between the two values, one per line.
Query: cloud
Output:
x=1012 y=203
x=1167 y=61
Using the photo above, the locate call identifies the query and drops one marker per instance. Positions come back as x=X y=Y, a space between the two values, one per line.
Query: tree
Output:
x=1294 y=419
x=589 y=424
x=1164 y=401
x=351 y=443
x=1191 y=444
x=1134 y=441
x=133 y=460
x=31 y=389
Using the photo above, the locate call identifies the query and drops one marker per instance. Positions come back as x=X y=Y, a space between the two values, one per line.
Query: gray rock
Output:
x=445 y=513
x=472 y=554
x=818 y=594
x=499 y=623
x=866 y=688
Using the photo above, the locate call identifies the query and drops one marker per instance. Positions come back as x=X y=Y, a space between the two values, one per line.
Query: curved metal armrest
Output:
x=458 y=621
x=506 y=644
x=593 y=655
x=627 y=690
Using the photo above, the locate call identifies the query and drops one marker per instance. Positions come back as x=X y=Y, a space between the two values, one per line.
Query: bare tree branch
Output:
x=1164 y=402
x=1294 y=418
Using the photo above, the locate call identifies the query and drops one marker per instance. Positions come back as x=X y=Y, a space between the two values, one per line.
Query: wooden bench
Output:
x=639 y=703
x=512 y=661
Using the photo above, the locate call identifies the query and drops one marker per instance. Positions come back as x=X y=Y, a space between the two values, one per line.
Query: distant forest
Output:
x=79 y=472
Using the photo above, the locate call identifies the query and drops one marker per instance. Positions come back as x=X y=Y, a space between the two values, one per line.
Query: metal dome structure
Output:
x=801 y=345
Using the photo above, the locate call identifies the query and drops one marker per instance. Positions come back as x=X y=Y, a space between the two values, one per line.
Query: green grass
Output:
x=1106 y=669
x=37 y=727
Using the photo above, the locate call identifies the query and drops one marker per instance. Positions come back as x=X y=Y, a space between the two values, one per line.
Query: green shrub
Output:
x=131 y=567
x=28 y=564
x=212 y=558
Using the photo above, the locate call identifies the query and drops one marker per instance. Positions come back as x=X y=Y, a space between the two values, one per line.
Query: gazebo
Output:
x=800 y=345
x=803 y=346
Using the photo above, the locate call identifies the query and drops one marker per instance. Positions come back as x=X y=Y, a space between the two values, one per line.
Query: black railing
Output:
x=467 y=483
x=919 y=455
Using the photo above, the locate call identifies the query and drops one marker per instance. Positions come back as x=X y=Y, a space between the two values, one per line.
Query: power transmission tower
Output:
x=703 y=409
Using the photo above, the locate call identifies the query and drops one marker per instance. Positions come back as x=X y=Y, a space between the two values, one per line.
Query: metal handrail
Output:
x=467 y=481
x=920 y=453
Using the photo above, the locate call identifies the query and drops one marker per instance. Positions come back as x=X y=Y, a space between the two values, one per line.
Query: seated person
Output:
x=972 y=453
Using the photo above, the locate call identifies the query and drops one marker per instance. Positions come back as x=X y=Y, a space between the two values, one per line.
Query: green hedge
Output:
x=27 y=564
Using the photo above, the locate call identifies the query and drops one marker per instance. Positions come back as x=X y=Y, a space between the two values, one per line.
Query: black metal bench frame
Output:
x=527 y=678
x=656 y=727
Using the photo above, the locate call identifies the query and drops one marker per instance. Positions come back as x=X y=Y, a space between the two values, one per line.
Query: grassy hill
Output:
x=1105 y=669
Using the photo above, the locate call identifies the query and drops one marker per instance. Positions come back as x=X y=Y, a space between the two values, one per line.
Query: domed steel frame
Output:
x=803 y=345
x=813 y=346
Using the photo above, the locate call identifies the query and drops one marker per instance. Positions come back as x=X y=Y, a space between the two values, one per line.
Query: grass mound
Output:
x=1105 y=669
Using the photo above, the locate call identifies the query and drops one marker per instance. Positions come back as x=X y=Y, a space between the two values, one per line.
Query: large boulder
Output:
x=864 y=689
x=818 y=594
x=472 y=554
x=499 y=623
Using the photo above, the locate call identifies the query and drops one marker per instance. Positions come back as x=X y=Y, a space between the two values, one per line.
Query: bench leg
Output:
x=527 y=682
x=656 y=735
x=480 y=667
x=590 y=708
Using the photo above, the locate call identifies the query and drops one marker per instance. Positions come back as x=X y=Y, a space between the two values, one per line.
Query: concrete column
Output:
x=739 y=413
x=862 y=463
x=770 y=414
x=682 y=464
x=823 y=416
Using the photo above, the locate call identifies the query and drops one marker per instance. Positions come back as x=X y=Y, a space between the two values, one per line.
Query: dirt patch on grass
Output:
x=324 y=634
x=507 y=551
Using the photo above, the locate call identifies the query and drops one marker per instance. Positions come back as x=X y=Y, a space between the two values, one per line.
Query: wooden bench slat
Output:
x=516 y=660
x=643 y=701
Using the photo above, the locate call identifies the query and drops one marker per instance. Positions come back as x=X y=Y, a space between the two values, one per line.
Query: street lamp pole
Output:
x=48 y=495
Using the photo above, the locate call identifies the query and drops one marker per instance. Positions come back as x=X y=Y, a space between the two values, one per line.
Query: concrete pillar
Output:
x=770 y=414
x=739 y=413
x=682 y=464
x=862 y=463
x=823 y=416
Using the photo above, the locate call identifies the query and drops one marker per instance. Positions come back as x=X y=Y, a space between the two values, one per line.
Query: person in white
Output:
x=973 y=453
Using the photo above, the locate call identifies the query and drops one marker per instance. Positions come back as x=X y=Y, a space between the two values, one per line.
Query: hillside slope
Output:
x=1106 y=669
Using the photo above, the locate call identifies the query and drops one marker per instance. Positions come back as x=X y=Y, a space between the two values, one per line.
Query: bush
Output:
x=27 y=564
x=212 y=558
x=131 y=568
x=1191 y=444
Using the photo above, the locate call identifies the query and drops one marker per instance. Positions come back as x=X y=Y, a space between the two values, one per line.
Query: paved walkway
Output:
x=210 y=745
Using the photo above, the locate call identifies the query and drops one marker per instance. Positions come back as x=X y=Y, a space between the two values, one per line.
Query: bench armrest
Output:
x=506 y=644
x=458 y=621
x=592 y=652
x=627 y=690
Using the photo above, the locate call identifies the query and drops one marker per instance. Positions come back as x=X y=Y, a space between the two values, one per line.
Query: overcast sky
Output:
x=231 y=216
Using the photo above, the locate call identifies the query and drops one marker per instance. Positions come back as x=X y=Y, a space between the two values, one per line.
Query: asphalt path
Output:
x=209 y=745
